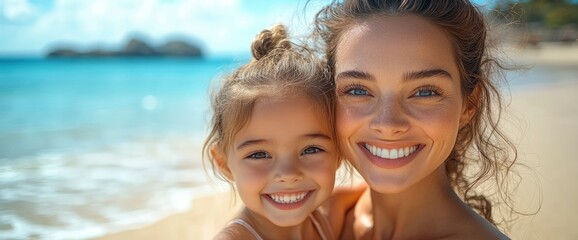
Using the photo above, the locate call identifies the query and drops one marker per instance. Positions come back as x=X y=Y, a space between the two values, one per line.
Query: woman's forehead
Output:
x=395 y=44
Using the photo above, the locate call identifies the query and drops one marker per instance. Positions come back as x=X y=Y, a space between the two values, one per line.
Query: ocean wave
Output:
x=88 y=193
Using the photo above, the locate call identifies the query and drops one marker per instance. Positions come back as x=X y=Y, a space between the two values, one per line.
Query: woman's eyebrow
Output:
x=355 y=74
x=427 y=74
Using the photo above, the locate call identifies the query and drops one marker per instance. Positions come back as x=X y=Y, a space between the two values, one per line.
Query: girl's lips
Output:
x=288 y=201
x=390 y=158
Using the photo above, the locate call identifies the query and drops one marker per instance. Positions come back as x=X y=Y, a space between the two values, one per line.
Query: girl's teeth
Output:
x=288 y=198
x=390 y=153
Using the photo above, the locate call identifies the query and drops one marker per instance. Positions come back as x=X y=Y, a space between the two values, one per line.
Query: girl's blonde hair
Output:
x=481 y=144
x=279 y=69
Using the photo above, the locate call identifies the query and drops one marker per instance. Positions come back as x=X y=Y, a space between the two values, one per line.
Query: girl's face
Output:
x=399 y=100
x=283 y=161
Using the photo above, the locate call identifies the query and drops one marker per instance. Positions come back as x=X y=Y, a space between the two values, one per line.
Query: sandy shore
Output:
x=546 y=120
x=206 y=217
x=546 y=143
x=552 y=54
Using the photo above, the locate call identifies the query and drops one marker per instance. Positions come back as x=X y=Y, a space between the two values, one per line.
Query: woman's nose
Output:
x=390 y=117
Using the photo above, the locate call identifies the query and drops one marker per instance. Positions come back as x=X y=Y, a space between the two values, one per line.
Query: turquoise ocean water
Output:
x=89 y=146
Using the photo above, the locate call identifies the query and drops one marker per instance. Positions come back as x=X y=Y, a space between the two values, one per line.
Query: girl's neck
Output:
x=268 y=230
x=429 y=204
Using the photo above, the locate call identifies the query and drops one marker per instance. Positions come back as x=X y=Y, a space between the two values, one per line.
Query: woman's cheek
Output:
x=348 y=122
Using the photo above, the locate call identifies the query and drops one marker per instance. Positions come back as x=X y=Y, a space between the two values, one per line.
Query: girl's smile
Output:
x=288 y=201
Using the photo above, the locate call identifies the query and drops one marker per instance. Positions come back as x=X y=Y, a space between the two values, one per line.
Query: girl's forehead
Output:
x=275 y=119
x=282 y=104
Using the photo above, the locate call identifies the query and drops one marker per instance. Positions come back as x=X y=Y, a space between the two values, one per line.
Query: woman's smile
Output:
x=390 y=157
x=394 y=153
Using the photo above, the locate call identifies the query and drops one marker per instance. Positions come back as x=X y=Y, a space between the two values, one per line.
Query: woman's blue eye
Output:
x=425 y=93
x=357 y=92
x=259 y=155
x=311 y=150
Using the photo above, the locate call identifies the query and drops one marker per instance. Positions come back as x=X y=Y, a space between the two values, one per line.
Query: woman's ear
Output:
x=219 y=159
x=470 y=106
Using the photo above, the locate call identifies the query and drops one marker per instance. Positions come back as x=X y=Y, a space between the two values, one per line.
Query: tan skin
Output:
x=334 y=209
x=398 y=86
x=285 y=150
x=306 y=230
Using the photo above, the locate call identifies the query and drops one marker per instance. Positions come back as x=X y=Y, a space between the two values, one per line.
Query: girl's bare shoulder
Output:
x=233 y=232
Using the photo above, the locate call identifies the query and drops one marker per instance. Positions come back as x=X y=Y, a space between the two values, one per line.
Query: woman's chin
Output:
x=387 y=184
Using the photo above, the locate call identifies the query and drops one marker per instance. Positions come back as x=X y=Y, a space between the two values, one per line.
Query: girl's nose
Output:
x=288 y=171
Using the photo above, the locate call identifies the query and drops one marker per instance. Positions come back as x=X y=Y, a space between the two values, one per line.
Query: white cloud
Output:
x=222 y=26
x=16 y=10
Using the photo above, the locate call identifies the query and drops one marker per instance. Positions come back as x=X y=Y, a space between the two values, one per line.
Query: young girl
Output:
x=273 y=136
x=416 y=108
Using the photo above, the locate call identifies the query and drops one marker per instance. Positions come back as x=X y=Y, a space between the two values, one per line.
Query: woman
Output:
x=415 y=108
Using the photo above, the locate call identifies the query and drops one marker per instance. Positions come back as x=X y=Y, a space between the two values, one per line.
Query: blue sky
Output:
x=221 y=27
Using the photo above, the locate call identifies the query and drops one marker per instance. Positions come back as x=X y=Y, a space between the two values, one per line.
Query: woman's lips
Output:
x=390 y=158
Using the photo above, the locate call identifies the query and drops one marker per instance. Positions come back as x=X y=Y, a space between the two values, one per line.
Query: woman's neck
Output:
x=268 y=230
x=430 y=205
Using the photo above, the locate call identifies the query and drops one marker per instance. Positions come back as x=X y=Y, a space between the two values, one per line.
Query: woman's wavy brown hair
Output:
x=481 y=148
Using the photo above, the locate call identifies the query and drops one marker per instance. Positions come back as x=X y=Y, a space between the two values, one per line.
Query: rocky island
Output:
x=136 y=48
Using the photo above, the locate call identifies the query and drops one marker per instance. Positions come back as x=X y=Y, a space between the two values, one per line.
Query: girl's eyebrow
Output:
x=250 y=142
x=316 y=135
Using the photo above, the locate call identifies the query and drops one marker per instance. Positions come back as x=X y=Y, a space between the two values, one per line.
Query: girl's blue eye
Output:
x=311 y=150
x=259 y=155
x=357 y=92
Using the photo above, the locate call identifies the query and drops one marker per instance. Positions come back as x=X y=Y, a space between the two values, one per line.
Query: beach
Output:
x=549 y=117
x=541 y=120
x=207 y=215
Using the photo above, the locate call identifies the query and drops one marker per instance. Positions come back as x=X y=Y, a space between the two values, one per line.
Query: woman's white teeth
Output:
x=288 y=198
x=390 y=153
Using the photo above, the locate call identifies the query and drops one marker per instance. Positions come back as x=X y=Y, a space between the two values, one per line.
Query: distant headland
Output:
x=135 y=48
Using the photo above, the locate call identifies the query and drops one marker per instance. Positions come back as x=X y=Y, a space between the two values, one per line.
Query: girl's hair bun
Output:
x=269 y=40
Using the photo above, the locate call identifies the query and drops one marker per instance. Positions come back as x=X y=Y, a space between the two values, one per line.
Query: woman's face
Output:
x=399 y=103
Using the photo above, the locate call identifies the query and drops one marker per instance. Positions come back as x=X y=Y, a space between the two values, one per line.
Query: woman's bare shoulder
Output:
x=478 y=228
x=481 y=233
x=345 y=197
x=342 y=201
